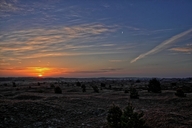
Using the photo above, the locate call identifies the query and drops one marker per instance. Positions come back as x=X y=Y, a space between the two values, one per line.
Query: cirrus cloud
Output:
x=163 y=45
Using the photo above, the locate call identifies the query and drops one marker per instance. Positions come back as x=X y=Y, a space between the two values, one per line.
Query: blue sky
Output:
x=83 y=38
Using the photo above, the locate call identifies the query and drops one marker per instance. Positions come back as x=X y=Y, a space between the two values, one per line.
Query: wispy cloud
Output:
x=107 y=70
x=116 y=61
x=60 y=41
x=163 y=45
x=187 y=49
x=7 y=6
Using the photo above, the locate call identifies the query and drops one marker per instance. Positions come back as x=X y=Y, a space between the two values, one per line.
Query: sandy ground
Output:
x=28 y=105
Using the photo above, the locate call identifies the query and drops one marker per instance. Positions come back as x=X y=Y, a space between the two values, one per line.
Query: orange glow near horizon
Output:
x=45 y=71
x=40 y=75
x=35 y=71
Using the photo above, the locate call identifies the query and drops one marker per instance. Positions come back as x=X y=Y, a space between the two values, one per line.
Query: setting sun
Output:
x=40 y=75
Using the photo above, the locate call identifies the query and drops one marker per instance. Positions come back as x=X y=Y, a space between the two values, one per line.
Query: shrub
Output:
x=126 y=91
x=154 y=86
x=137 y=81
x=187 y=88
x=131 y=119
x=58 y=90
x=83 y=88
x=114 y=117
x=78 y=84
x=103 y=85
x=180 y=93
x=14 y=84
x=134 y=93
x=173 y=84
x=52 y=86
x=95 y=89
x=40 y=91
x=127 y=118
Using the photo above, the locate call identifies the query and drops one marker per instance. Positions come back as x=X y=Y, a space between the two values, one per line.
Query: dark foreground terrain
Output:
x=33 y=103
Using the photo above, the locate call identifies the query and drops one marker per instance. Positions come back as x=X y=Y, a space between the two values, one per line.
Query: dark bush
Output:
x=173 y=84
x=95 y=88
x=40 y=91
x=52 y=86
x=126 y=119
x=134 y=93
x=83 y=88
x=154 y=86
x=78 y=84
x=180 y=93
x=114 y=117
x=137 y=81
x=58 y=90
x=103 y=85
x=131 y=119
x=126 y=91
x=109 y=86
x=117 y=89
x=187 y=88
x=14 y=84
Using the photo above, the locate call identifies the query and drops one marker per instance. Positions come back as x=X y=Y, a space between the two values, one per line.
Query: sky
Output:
x=95 y=38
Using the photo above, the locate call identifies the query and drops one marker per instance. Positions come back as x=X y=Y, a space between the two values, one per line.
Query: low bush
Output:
x=131 y=119
x=114 y=117
x=103 y=85
x=78 y=84
x=40 y=91
x=154 y=86
x=134 y=93
x=126 y=91
x=58 y=90
x=52 y=86
x=83 y=88
x=14 y=84
x=180 y=93
x=127 y=118
x=95 y=88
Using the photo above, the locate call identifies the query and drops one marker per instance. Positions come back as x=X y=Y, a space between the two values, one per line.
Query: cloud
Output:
x=163 y=45
x=116 y=61
x=107 y=70
x=8 y=6
x=84 y=39
x=182 y=49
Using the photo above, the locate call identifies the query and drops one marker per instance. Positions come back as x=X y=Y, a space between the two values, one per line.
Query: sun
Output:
x=40 y=75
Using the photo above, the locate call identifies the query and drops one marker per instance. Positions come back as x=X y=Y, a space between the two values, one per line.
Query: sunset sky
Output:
x=96 y=38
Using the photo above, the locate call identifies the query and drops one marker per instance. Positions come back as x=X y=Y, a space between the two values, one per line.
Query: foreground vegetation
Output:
x=87 y=103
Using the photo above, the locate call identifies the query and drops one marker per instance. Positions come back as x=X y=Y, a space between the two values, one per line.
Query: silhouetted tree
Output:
x=102 y=85
x=78 y=84
x=95 y=88
x=154 y=86
x=114 y=117
x=83 y=88
x=14 y=84
x=126 y=119
x=134 y=93
x=58 y=90
x=131 y=119
x=180 y=93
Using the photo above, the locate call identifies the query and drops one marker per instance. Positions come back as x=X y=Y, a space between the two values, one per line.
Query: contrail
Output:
x=162 y=45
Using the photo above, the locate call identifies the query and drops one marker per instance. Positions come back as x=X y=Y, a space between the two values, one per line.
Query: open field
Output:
x=33 y=103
